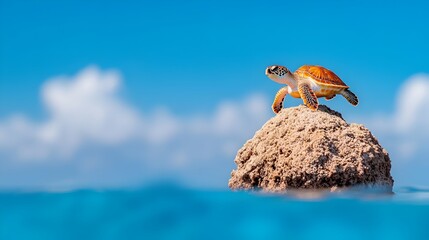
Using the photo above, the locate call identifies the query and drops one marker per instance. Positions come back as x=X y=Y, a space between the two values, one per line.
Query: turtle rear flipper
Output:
x=308 y=96
x=351 y=97
x=278 y=100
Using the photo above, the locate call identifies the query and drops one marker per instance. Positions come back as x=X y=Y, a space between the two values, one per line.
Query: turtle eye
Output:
x=274 y=68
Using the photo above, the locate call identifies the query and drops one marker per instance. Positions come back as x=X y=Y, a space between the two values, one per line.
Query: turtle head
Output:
x=277 y=73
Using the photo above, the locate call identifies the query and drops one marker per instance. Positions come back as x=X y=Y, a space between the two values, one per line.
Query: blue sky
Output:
x=195 y=59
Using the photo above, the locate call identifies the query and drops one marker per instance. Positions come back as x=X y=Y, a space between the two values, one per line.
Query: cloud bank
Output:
x=92 y=137
x=89 y=126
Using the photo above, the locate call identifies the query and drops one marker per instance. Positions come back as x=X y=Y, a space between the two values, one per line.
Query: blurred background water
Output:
x=171 y=212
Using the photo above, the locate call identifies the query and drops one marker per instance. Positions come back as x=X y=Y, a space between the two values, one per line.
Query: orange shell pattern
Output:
x=321 y=75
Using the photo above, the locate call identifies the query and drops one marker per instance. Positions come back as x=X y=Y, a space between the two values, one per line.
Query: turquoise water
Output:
x=168 y=212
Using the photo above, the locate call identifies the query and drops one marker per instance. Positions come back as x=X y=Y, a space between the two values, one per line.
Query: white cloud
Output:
x=80 y=110
x=87 y=119
x=412 y=112
x=408 y=127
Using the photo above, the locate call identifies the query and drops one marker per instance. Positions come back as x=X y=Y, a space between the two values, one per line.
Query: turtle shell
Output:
x=320 y=75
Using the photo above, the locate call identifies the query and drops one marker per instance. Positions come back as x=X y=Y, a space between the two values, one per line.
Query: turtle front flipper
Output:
x=308 y=96
x=351 y=97
x=278 y=100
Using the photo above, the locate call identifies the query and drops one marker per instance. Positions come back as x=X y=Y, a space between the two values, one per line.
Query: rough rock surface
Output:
x=299 y=148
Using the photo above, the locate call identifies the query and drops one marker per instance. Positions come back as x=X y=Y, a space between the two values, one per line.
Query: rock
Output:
x=300 y=148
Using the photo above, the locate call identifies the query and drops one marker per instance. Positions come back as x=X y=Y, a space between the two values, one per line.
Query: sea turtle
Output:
x=309 y=83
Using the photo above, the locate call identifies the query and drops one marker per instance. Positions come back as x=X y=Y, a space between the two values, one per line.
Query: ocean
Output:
x=172 y=212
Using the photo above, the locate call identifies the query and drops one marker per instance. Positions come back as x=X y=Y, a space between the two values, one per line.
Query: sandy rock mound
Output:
x=299 y=148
